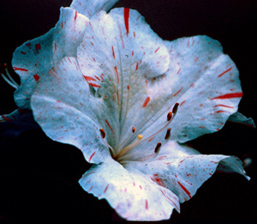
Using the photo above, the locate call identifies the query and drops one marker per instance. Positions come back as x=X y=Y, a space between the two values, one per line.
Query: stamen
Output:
x=157 y=148
x=167 y=136
x=133 y=129
x=102 y=132
x=169 y=116
x=5 y=75
x=175 y=108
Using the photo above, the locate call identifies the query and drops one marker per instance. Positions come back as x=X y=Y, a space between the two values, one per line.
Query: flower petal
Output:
x=131 y=194
x=206 y=84
x=69 y=33
x=67 y=112
x=90 y=8
x=241 y=119
x=184 y=172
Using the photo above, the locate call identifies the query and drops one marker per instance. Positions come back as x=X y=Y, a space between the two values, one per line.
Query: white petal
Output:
x=90 y=8
x=64 y=108
x=185 y=172
x=132 y=194
x=206 y=84
x=69 y=33
x=241 y=119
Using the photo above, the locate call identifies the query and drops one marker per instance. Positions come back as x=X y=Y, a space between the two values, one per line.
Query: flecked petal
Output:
x=69 y=33
x=132 y=194
x=90 y=8
x=67 y=112
x=185 y=172
x=206 y=84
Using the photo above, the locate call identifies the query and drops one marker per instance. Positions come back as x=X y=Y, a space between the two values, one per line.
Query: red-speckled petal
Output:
x=90 y=8
x=67 y=112
x=183 y=170
x=206 y=84
x=132 y=194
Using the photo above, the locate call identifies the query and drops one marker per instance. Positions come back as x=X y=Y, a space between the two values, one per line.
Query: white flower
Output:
x=128 y=100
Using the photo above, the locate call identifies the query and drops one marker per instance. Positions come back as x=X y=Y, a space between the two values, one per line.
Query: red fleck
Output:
x=97 y=78
x=117 y=74
x=158 y=180
x=157 y=50
x=179 y=71
x=146 y=204
x=175 y=94
x=133 y=53
x=222 y=105
x=147 y=100
x=196 y=59
x=220 y=111
x=225 y=72
x=88 y=78
x=134 y=34
x=94 y=85
x=6 y=118
x=113 y=54
x=23 y=52
x=126 y=19
x=91 y=156
x=109 y=126
x=76 y=15
x=20 y=69
x=38 y=47
x=127 y=87
x=137 y=66
x=36 y=77
x=106 y=188
x=90 y=188
x=228 y=96
x=55 y=47
x=182 y=103
x=184 y=189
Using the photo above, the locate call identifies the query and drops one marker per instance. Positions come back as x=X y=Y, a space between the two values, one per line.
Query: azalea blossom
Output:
x=129 y=101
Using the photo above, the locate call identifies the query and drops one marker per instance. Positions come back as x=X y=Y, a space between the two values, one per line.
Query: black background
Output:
x=39 y=177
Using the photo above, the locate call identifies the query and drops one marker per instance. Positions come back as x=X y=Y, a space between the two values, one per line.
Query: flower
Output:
x=129 y=100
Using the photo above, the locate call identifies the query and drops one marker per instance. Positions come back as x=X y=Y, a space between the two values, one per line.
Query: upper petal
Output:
x=132 y=194
x=206 y=84
x=67 y=112
x=90 y=8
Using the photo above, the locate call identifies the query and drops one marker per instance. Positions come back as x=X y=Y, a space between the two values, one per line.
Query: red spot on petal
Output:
x=137 y=66
x=228 y=96
x=182 y=103
x=128 y=87
x=88 y=78
x=126 y=19
x=117 y=74
x=147 y=100
x=179 y=71
x=223 y=73
x=175 y=94
x=36 y=77
x=113 y=54
x=106 y=188
x=222 y=105
x=184 y=189
x=94 y=85
x=157 y=50
x=108 y=124
x=6 y=118
x=23 y=52
x=220 y=111
x=91 y=156
x=76 y=15
x=38 y=47
x=146 y=204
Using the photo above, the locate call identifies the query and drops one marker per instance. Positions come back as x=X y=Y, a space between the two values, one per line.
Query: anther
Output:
x=157 y=148
x=175 y=108
x=167 y=136
x=102 y=132
x=140 y=137
x=133 y=129
x=169 y=116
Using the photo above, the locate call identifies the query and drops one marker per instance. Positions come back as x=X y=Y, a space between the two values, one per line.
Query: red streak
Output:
x=6 y=118
x=94 y=85
x=106 y=188
x=228 y=96
x=137 y=66
x=109 y=126
x=113 y=54
x=23 y=52
x=178 y=92
x=88 y=78
x=36 y=77
x=222 y=105
x=157 y=50
x=91 y=157
x=146 y=204
x=220 y=111
x=225 y=72
x=147 y=100
x=38 y=47
x=184 y=189
x=20 y=69
x=117 y=74
x=126 y=19
x=76 y=15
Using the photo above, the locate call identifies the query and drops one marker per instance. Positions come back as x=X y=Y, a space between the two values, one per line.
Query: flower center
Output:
x=125 y=153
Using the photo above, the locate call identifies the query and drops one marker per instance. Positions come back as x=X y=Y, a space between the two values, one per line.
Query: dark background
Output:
x=38 y=177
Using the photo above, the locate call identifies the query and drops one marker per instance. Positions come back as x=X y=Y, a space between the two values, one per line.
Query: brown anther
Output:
x=169 y=116
x=133 y=129
x=102 y=132
x=167 y=136
x=175 y=108
x=157 y=148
